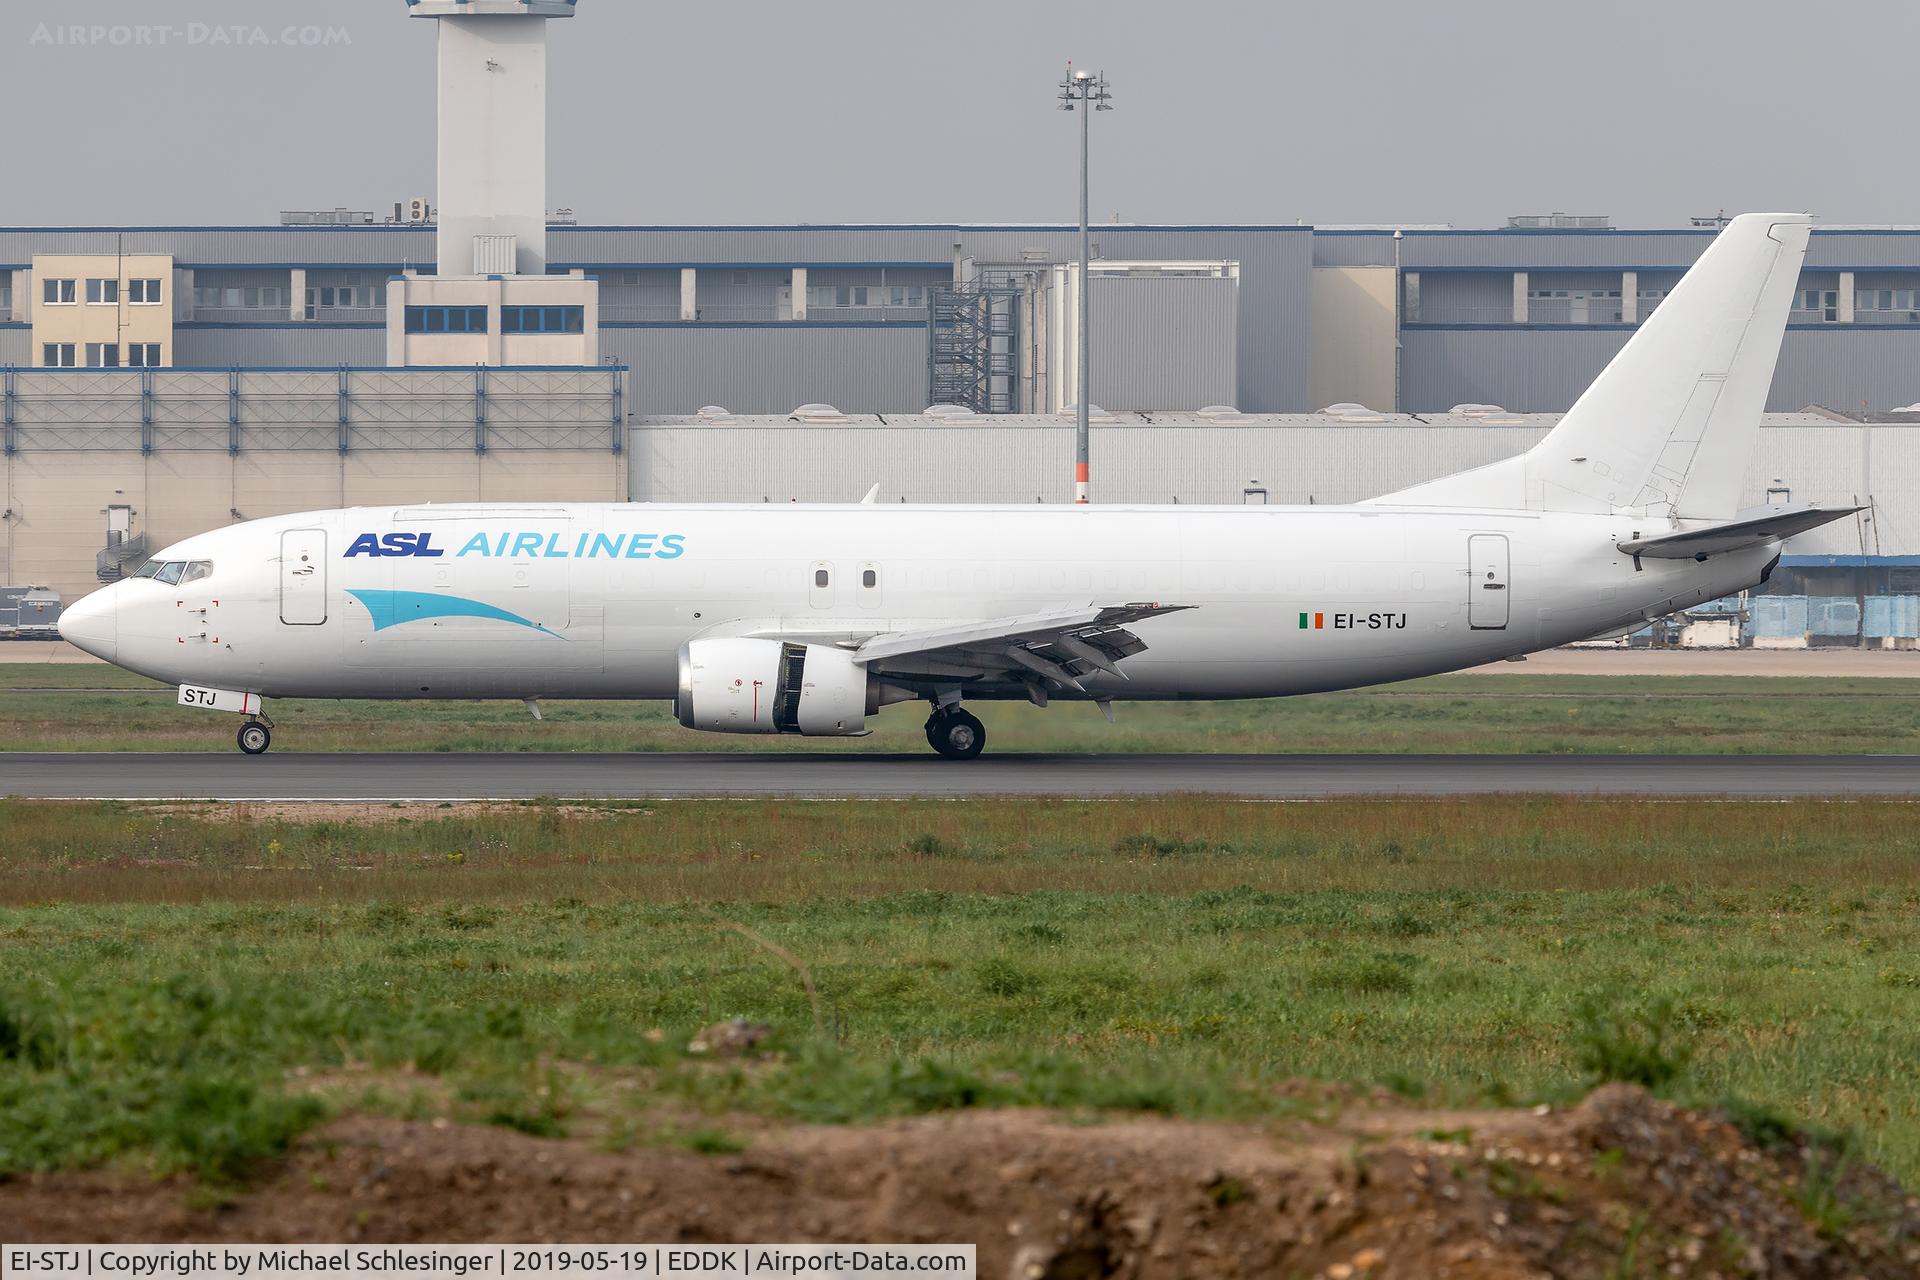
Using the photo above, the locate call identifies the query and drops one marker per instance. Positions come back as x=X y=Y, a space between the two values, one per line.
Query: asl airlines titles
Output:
x=533 y=546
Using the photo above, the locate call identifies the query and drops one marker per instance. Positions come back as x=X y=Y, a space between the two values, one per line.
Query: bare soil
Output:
x=1621 y=1185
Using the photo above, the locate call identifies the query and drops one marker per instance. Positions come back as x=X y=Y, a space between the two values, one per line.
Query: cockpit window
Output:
x=173 y=572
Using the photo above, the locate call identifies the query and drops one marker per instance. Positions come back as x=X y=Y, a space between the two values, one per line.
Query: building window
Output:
x=57 y=355
x=57 y=293
x=1887 y=300
x=832 y=296
x=542 y=319
x=143 y=293
x=103 y=293
x=103 y=355
x=446 y=319
x=143 y=355
x=1824 y=304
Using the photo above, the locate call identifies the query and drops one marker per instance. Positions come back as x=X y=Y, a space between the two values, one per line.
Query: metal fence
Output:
x=344 y=410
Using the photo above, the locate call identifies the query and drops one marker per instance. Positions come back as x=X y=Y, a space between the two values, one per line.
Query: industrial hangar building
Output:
x=1270 y=319
x=159 y=381
x=162 y=380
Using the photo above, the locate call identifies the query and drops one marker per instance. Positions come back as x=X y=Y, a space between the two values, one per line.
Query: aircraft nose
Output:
x=92 y=623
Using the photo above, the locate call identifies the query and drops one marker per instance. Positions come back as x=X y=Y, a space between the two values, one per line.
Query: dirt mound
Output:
x=1620 y=1185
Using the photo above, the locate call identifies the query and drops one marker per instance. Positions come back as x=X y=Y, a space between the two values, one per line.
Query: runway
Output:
x=404 y=777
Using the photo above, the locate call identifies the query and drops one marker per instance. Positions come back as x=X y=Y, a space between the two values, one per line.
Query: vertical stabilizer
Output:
x=1669 y=425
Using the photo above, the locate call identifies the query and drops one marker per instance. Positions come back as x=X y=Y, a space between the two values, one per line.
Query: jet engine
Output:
x=771 y=686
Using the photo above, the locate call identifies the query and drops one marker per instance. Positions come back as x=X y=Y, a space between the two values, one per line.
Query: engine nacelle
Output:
x=769 y=686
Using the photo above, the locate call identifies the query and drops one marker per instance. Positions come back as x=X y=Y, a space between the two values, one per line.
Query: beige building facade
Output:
x=1356 y=323
x=99 y=311
x=493 y=320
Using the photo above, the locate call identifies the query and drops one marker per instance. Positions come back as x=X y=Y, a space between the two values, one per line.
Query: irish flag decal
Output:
x=1313 y=621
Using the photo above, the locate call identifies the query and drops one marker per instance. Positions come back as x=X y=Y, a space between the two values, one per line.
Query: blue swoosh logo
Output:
x=391 y=608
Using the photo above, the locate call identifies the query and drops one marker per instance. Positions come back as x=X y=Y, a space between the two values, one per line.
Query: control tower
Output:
x=493 y=132
x=490 y=300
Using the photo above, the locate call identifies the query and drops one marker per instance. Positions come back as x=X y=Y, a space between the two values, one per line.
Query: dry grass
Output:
x=792 y=851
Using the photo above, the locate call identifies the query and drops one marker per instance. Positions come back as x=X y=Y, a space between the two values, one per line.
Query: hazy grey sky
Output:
x=898 y=110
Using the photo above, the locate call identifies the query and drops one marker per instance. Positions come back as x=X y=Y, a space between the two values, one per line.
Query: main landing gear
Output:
x=255 y=737
x=955 y=734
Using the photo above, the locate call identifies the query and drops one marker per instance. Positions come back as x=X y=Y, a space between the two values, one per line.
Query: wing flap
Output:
x=1063 y=647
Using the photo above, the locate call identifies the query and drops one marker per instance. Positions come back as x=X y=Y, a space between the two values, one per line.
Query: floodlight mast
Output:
x=1086 y=92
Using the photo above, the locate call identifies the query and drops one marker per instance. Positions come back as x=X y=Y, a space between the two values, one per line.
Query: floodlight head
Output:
x=490 y=8
x=1083 y=75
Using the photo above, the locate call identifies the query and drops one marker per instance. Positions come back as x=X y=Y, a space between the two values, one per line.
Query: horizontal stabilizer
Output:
x=1767 y=524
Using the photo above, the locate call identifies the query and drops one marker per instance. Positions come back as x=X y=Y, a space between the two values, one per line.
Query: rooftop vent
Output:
x=1477 y=410
x=1347 y=411
x=944 y=411
x=1094 y=413
x=712 y=411
x=818 y=413
x=1220 y=413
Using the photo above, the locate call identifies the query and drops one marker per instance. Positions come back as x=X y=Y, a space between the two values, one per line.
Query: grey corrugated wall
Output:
x=282 y=345
x=1831 y=465
x=1543 y=370
x=772 y=368
x=837 y=463
x=1162 y=342
x=1353 y=248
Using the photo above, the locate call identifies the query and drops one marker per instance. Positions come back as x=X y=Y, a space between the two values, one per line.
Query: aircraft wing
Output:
x=1030 y=649
x=1750 y=529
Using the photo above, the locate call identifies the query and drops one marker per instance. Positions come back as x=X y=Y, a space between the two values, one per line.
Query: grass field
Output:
x=188 y=986
x=89 y=708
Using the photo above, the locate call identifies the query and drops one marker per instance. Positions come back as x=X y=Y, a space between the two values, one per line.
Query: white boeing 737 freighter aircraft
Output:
x=808 y=619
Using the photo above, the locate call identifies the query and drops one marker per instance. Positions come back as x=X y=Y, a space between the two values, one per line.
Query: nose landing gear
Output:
x=956 y=734
x=255 y=736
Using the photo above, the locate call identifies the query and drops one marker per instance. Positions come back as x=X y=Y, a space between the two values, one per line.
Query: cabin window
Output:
x=869 y=579
x=820 y=577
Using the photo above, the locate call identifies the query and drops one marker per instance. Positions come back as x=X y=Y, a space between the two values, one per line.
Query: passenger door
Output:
x=303 y=577
x=1487 y=570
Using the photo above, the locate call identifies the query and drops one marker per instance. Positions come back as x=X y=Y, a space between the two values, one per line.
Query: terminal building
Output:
x=159 y=380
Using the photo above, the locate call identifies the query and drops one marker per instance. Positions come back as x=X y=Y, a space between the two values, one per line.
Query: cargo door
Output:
x=303 y=577
x=1487 y=570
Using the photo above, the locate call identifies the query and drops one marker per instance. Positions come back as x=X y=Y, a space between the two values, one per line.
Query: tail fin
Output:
x=1669 y=425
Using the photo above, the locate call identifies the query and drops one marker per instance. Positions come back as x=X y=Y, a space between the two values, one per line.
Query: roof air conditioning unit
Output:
x=496 y=255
